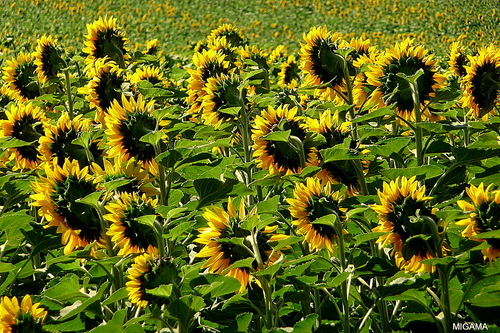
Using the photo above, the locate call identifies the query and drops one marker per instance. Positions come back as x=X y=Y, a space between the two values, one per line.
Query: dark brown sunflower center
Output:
x=326 y=63
x=343 y=172
x=108 y=89
x=396 y=90
x=51 y=61
x=78 y=216
x=63 y=147
x=291 y=71
x=139 y=234
x=226 y=95
x=323 y=206
x=110 y=43
x=132 y=129
x=28 y=129
x=282 y=153
x=24 y=80
x=486 y=86
x=460 y=62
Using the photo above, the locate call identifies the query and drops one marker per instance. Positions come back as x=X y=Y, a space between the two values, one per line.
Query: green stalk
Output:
x=345 y=286
x=67 y=82
x=418 y=117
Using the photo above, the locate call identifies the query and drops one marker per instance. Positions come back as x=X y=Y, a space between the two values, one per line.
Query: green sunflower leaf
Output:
x=185 y=308
x=170 y=158
x=305 y=325
x=243 y=263
x=164 y=290
x=280 y=136
x=211 y=190
x=223 y=285
x=148 y=220
x=488 y=234
x=233 y=111
x=385 y=111
x=152 y=138
x=426 y=171
x=116 y=183
x=328 y=220
x=9 y=142
x=92 y=199
x=340 y=154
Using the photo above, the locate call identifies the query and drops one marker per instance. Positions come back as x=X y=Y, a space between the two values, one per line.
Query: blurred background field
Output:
x=180 y=24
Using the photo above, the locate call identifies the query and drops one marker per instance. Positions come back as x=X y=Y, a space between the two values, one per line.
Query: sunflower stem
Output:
x=412 y=81
x=345 y=286
x=67 y=82
x=298 y=146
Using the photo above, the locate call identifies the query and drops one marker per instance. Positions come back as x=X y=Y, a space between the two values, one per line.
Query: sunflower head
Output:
x=393 y=88
x=484 y=217
x=481 y=85
x=310 y=204
x=289 y=75
x=147 y=73
x=104 y=87
x=105 y=40
x=404 y=213
x=25 y=122
x=152 y=46
x=59 y=196
x=128 y=121
x=126 y=229
x=457 y=60
x=48 y=59
x=24 y=317
x=20 y=76
x=229 y=32
x=221 y=92
x=148 y=272
x=59 y=141
x=322 y=63
x=225 y=241
x=279 y=155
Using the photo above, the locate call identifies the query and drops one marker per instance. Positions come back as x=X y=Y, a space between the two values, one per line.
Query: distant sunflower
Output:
x=20 y=76
x=27 y=123
x=148 y=272
x=152 y=46
x=321 y=62
x=126 y=177
x=58 y=195
x=484 y=216
x=312 y=201
x=391 y=89
x=127 y=121
x=106 y=40
x=481 y=85
x=229 y=32
x=289 y=75
x=224 y=225
x=24 y=317
x=221 y=92
x=6 y=96
x=104 y=87
x=127 y=232
x=278 y=54
x=58 y=141
x=48 y=59
x=208 y=63
x=277 y=156
x=151 y=74
x=402 y=202
x=457 y=60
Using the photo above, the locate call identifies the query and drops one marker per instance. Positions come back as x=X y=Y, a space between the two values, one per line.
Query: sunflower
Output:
x=289 y=75
x=229 y=32
x=6 y=96
x=58 y=195
x=148 y=272
x=278 y=54
x=484 y=216
x=403 y=202
x=221 y=92
x=152 y=46
x=208 y=63
x=104 y=87
x=457 y=60
x=278 y=156
x=392 y=89
x=128 y=177
x=127 y=122
x=321 y=62
x=58 y=141
x=151 y=74
x=334 y=131
x=20 y=75
x=126 y=230
x=312 y=201
x=24 y=317
x=481 y=85
x=25 y=122
x=48 y=59
x=105 y=40
x=222 y=253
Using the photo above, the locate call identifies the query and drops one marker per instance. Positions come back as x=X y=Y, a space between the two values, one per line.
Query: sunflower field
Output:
x=236 y=183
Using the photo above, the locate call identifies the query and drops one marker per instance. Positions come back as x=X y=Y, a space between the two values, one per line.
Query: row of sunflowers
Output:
x=344 y=188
